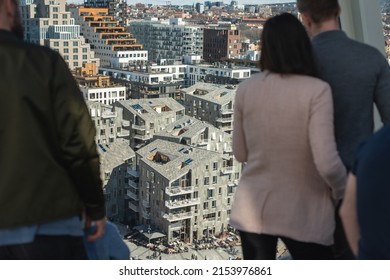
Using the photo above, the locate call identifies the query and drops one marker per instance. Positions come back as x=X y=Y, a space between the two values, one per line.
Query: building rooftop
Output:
x=172 y=160
x=186 y=127
x=152 y=108
x=219 y=94
x=114 y=154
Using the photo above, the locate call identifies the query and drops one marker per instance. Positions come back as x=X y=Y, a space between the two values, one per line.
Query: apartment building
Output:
x=221 y=41
x=183 y=191
x=114 y=46
x=109 y=123
x=211 y=103
x=114 y=159
x=116 y=8
x=97 y=87
x=46 y=22
x=161 y=80
x=171 y=39
x=148 y=116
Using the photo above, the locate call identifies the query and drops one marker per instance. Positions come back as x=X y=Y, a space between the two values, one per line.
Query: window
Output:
x=205 y=205
x=85 y=50
x=55 y=9
x=213 y=204
x=75 y=44
x=66 y=57
x=56 y=44
x=75 y=57
x=75 y=50
x=55 y=16
x=207 y=167
x=66 y=44
x=85 y=56
x=215 y=179
x=66 y=50
x=210 y=193
x=75 y=64
x=206 y=181
x=64 y=16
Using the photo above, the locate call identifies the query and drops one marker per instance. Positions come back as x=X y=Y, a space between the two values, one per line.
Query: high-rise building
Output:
x=114 y=46
x=46 y=22
x=221 y=41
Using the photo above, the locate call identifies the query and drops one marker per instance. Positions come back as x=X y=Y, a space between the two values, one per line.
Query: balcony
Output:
x=227 y=170
x=106 y=115
x=133 y=207
x=178 y=217
x=133 y=184
x=132 y=195
x=146 y=215
x=146 y=204
x=132 y=172
x=138 y=127
x=142 y=137
x=179 y=191
x=125 y=123
x=182 y=203
x=225 y=120
x=226 y=111
x=123 y=133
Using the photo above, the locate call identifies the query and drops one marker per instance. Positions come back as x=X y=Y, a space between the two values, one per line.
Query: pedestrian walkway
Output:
x=143 y=253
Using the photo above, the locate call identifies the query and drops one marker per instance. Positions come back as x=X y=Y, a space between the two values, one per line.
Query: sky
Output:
x=190 y=2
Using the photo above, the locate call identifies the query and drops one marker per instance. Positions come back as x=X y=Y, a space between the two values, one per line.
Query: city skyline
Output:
x=190 y=2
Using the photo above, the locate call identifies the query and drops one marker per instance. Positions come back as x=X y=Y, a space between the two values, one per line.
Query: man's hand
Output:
x=100 y=226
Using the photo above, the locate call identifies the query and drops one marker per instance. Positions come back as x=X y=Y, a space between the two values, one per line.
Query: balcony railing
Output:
x=141 y=137
x=179 y=191
x=133 y=184
x=182 y=203
x=146 y=215
x=133 y=207
x=227 y=170
x=146 y=204
x=125 y=123
x=178 y=217
x=132 y=195
x=225 y=120
x=132 y=172
x=227 y=111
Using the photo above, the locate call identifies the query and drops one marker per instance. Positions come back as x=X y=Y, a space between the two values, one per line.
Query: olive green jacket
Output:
x=49 y=166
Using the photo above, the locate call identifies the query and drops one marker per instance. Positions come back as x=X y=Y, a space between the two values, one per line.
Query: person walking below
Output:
x=50 y=166
x=283 y=132
x=359 y=77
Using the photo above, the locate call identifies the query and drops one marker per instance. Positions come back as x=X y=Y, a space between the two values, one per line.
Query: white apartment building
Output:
x=47 y=22
x=105 y=95
x=170 y=39
x=115 y=47
x=181 y=74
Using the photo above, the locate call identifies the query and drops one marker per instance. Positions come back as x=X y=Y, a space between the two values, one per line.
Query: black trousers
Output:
x=46 y=247
x=263 y=247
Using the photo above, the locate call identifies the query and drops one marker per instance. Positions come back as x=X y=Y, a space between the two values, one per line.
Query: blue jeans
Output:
x=46 y=247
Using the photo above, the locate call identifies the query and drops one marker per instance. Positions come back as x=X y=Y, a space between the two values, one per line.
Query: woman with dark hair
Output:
x=283 y=131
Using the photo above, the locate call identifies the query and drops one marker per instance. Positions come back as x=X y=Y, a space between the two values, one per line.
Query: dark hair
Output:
x=319 y=10
x=286 y=47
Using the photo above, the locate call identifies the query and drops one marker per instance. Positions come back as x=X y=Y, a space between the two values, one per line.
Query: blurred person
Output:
x=358 y=75
x=365 y=209
x=283 y=131
x=49 y=163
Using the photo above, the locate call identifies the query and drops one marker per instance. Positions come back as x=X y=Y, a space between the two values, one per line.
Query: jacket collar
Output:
x=329 y=35
x=7 y=36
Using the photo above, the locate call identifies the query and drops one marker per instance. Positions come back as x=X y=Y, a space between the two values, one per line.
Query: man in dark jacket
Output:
x=48 y=160
x=359 y=76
